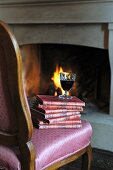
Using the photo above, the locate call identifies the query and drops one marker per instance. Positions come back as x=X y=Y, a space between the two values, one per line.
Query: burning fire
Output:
x=56 y=78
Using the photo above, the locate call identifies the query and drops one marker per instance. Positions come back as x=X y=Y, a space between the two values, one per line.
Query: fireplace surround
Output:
x=91 y=66
x=84 y=23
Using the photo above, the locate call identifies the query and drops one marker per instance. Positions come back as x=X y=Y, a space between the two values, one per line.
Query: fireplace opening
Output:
x=91 y=65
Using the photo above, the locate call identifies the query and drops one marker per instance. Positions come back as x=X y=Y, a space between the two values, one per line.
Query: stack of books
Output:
x=54 y=112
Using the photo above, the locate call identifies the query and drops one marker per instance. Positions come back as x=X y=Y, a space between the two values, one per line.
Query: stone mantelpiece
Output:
x=58 y=17
x=92 y=35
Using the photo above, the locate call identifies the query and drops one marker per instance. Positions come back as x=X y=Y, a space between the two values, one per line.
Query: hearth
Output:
x=91 y=66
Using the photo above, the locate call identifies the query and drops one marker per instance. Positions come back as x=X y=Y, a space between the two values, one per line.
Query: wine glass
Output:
x=67 y=81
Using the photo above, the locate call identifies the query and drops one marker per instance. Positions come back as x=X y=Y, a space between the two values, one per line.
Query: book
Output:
x=38 y=116
x=37 y=112
x=69 y=119
x=50 y=111
x=55 y=107
x=32 y=101
x=47 y=116
x=55 y=100
x=66 y=122
x=35 y=123
x=69 y=122
x=60 y=126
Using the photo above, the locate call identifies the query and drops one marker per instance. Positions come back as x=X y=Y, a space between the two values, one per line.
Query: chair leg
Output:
x=87 y=159
x=28 y=156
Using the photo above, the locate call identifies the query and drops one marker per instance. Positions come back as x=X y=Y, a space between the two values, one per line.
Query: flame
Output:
x=56 y=78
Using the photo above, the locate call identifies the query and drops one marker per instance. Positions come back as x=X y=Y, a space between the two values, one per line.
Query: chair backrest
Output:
x=15 y=118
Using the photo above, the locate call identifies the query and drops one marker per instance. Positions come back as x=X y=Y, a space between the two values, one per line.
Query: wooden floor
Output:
x=102 y=160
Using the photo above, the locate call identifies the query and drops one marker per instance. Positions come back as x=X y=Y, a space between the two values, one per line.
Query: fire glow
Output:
x=56 y=78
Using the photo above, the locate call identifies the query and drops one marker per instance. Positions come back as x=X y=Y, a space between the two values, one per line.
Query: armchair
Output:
x=23 y=147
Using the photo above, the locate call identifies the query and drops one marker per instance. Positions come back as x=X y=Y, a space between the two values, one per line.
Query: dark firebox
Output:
x=91 y=66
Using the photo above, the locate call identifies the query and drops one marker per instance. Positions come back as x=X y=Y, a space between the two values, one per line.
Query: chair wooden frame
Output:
x=86 y=154
x=22 y=138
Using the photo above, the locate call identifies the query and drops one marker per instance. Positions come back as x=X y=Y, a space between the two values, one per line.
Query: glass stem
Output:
x=66 y=93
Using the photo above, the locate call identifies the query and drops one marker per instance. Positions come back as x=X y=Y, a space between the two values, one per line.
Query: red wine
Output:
x=66 y=85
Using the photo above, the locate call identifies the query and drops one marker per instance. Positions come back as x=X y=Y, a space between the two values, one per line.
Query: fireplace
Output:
x=40 y=25
x=91 y=66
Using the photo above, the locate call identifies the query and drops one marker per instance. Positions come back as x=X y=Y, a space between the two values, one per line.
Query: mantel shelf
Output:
x=56 y=11
x=27 y=2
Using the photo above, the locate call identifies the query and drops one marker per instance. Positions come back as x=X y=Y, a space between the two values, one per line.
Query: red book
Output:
x=50 y=111
x=55 y=115
x=55 y=107
x=60 y=126
x=55 y=100
x=76 y=122
x=70 y=119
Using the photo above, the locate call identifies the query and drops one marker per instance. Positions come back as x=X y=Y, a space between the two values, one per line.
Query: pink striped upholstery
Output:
x=53 y=145
x=9 y=159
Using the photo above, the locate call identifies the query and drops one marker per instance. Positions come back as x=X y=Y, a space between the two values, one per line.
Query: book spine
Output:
x=50 y=107
x=63 y=103
x=71 y=119
x=53 y=100
x=69 y=122
x=59 y=126
x=47 y=116
x=52 y=111
x=49 y=111
x=62 y=122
